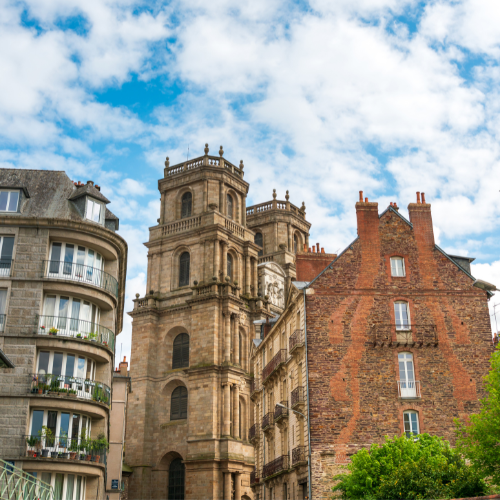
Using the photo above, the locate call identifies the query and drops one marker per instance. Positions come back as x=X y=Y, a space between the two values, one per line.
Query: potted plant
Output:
x=47 y=438
x=93 y=337
x=63 y=443
x=78 y=335
x=85 y=444
x=72 y=393
x=98 y=446
x=74 y=448
x=53 y=331
x=33 y=442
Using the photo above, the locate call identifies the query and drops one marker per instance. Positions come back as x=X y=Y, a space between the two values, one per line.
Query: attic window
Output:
x=93 y=211
x=9 y=200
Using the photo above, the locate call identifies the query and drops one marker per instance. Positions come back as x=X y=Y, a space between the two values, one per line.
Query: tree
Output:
x=409 y=468
x=479 y=438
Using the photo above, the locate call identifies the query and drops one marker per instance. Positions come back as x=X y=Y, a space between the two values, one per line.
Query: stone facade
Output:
x=203 y=216
x=58 y=373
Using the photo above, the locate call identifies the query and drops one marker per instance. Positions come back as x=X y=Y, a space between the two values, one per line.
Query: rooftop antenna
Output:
x=187 y=157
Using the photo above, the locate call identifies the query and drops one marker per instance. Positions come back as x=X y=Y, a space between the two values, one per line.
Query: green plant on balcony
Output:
x=46 y=437
x=78 y=335
x=32 y=441
x=53 y=330
x=93 y=336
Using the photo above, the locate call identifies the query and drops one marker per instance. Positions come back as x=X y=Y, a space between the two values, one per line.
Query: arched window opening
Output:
x=229 y=266
x=179 y=403
x=186 y=205
x=176 y=479
x=398 y=267
x=410 y=419
x=259 y=240
x=229 y=199
x=407 y=384
x=295 y=243
x=180 y=358
x=402 y=315
x=184 y=269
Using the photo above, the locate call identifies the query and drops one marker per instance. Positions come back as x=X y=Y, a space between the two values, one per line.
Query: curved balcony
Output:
x=299 y=456
x=76 y=328
x=86 y=275
x=65 y=448
x=70 y=387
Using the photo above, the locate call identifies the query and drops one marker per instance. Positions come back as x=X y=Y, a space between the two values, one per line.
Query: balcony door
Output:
x=407 y=375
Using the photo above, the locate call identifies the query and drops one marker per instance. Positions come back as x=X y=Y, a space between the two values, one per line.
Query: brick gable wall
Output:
x=352 y=383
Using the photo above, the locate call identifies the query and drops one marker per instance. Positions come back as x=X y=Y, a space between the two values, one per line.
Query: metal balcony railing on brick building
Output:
x=409 y=389
x=255 y=386
x=299 y=455
x=254 y=478
x=279 y=464
x=387 y=334
x=274 y=364
x=298 y=396
x=296 y=340
x=280 y=412
x=253 y=432
x=267 y=421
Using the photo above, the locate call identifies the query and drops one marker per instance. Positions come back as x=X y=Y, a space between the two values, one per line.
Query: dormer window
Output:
x=9 y=200
x=93 y=211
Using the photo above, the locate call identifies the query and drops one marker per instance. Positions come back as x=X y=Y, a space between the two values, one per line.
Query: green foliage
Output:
x=411 y=469
x=479 y=438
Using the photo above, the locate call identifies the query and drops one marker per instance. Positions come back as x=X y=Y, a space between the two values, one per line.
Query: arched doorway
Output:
x=176 y=480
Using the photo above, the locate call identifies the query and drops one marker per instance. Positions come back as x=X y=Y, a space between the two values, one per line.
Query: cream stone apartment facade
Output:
x=62 y=283
x=217 y=270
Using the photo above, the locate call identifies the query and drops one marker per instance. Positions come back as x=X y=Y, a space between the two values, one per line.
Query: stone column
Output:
x=236 y=411
x=227 y=337
x=237 y=486
x=290 y=239
x=255 y=279
x=227 y=486
x=236 y=339
x=216 y=258
x=244 y=211
x=162 y=208
x=226 y=427
x=247 y=275
x=224 y=260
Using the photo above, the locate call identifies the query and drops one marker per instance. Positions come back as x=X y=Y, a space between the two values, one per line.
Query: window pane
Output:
x=63 y=430
x=3 y=301
x=7 y=248
x=70 y=482
x=55 y=258
x=414 y=423
x=81 y=367
x=75 y=424
x=78 y=487
x=75 y=314
x=63 y=312
x=57 y=364
x=58 y=487
x=14 y=197
x=3 y=200
x=46 y=477
x=97 y=212
x=68 y=259
x=36 y=422
x=49 y=305
x=43 y=362
x=52 y=421
x=70 y=365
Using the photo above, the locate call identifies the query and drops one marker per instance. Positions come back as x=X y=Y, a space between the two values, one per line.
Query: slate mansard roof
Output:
x=52 y=194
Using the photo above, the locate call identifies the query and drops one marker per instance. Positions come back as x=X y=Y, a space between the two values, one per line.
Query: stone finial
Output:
x=303 y=207
x=167 y=162
x=241 y=165
x=137 y=295
x=221 y=151
x=287 y=196
x=274 y=194
x=206 y=149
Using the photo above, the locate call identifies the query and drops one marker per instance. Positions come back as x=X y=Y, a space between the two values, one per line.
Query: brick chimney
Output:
x=311 y=263
x=368 y=221
x=124 y=367
x=421 y=218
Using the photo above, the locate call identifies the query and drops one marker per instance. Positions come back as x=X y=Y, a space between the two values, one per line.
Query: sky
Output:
x=322 y=98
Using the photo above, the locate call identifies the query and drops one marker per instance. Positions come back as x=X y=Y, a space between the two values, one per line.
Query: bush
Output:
x=411 y=469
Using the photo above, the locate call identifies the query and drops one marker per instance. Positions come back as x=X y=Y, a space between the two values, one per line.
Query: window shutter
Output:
x=183 y=403
x=181 y=351
x=177 y=357
x=185 y=354
x=186 y=204
x=184 y=269
x=175 y=405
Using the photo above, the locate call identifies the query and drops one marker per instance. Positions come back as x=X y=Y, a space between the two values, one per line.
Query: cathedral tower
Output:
x=190 y=410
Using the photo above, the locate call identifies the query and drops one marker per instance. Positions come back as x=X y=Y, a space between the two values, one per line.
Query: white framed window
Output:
x=407 y=384
x=94 y=211
x=67 y=365
x=6 y=252
x=70 y=316
x=398 y=267
x=402 y=315
x=65 y=486
x=410 y=420
x=9 y=200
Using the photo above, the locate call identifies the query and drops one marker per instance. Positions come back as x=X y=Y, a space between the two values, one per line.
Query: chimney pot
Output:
x=361 y=196
x=309 y=249
x=317 y=247
x=305 y=247
x=423 y=197
x=322 y=250
x=366 y=200
x=418 y=196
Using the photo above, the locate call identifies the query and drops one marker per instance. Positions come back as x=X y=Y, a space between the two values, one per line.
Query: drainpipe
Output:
x=308 y=405
x=263 y=438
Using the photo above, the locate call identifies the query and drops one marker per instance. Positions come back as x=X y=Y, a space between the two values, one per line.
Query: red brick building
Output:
x=398 y=339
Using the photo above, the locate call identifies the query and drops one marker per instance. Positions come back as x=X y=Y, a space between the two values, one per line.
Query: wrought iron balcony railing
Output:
x=254 y=478
x=280 y=412
x=267 y=421
x=83 y=274
x=255 y=386
x=72 y=387
x=42 y=446
x=296 y=339
x=6 y=267
x=3 y=317
x=277 y=465
x=409 y=389
x=252 y=432
x=19 y=485
x=76 y=328
x=299 y=455
x=274 y=364
x=298 y=396
x=415 y=333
